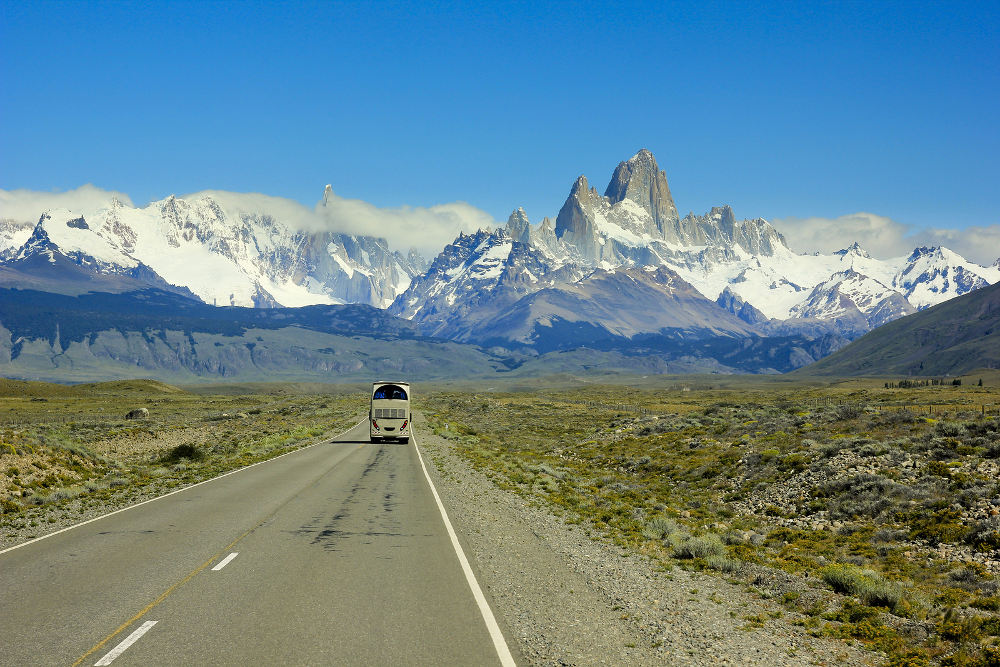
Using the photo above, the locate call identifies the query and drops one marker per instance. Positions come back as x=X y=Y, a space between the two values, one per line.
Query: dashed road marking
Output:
x=163 y=596
x=225 y=561
x=128 y=641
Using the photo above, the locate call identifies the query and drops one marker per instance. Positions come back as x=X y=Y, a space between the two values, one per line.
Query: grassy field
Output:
x=870 y=513
x=69 y=452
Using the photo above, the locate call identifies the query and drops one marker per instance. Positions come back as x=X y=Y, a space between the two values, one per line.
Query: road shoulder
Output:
x=569 y=599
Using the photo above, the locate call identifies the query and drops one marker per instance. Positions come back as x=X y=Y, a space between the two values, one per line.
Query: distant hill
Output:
x=951 y=338
x=158 y=334
x=174 y=338
x=22 y=388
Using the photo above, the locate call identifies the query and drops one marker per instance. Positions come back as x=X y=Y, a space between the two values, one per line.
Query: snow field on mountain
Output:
x=230 y=248
x=83 y=240
x=225 y=252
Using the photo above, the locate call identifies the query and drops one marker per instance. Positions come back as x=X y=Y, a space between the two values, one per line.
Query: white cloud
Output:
x=884 y=237
x=428 y=229
x=28 y=205
x=980 y=244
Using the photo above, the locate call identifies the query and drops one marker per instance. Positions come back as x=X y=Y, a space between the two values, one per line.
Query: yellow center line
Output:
x=163 y=596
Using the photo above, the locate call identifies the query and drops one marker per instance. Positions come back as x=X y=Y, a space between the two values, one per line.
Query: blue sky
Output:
x=784 y=110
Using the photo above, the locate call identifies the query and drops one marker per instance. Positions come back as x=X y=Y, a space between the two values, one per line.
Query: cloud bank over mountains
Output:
x=428 y=229
x=27 y=205
x=884 y=237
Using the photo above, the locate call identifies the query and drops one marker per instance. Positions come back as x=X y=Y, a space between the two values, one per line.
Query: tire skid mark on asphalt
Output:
x=165 y=594
x=325 y=529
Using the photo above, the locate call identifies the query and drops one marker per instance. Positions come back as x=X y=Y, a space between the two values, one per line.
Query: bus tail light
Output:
x=405 y=422
x=375 y=424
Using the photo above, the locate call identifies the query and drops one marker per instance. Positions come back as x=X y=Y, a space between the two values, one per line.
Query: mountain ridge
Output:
x=585 y=276
x=950 y=338
x=744 y=267
x=228 y=255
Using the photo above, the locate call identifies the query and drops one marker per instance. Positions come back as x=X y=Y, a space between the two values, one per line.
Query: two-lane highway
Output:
x=334 y=554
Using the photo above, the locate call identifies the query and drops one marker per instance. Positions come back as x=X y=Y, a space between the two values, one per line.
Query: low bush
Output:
x=938 y=526
x=849 y=411
x=700 y=547
x=985 y=535
x=659 y=527
x=868 y=586
x=186 y=451
x=897 y=418
x=8 y=506
x=862 y=495
x=723 y=563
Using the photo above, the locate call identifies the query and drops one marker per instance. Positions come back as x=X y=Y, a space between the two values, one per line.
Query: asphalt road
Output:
x=342 y=558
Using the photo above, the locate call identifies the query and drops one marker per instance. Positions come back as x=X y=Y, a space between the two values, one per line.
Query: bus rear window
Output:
x=391 y=392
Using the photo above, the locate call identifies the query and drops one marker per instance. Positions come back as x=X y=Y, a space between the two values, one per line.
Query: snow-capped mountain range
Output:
x=223 y=251
x=745 y=267
x=621 y=264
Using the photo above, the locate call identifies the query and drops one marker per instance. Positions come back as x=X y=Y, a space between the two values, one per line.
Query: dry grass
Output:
x=67 y=450
x=881 y=503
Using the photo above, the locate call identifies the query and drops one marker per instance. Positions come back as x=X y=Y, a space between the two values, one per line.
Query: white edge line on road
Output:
x=503 y=651
x=128 y=641
x=125 y=509
x=225 y=561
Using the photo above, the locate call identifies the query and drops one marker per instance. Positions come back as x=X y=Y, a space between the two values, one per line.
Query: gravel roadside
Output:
x=570 y=599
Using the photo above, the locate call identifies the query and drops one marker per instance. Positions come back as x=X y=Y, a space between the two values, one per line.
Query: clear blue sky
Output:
x=783 y=109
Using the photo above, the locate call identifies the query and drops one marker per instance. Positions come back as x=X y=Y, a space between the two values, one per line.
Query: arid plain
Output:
x=858 y=511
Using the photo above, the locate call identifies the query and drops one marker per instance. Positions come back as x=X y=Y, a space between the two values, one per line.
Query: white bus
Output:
x=389 y=416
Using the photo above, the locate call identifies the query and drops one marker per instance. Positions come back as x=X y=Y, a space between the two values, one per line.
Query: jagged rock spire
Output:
x=641 y=180
x=518 y=225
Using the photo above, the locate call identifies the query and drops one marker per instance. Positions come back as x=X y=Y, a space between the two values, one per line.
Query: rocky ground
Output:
x=568 y=598
x=863 y=519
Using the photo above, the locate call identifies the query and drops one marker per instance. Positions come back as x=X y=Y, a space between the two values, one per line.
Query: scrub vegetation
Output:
x=870 y=513
x=69 y=452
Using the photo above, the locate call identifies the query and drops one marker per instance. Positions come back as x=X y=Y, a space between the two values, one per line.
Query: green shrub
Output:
x=723 y=563
x=942 y=525
x=991 y=603
x=869 y=587
x=861 y=495
x=700 y=547
x=659 y=527
x=849 y=411
x=67 y=493
x=991 y=626
x=543 y=469
x=8 y=506
x=985 y=535
x=186 y=451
